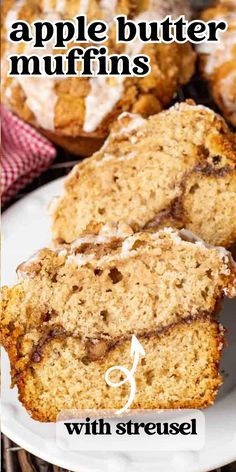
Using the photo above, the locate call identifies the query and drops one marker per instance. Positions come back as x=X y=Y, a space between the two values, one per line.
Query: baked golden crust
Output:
x=73 y=312
x=172 y=66
x=218 y=63
x=180 y=163
x=168 y=345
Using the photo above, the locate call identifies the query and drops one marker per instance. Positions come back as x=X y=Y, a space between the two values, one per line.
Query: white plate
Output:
x=26 y=228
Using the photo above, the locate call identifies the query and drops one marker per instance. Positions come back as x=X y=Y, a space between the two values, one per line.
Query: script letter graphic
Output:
x=136 y=351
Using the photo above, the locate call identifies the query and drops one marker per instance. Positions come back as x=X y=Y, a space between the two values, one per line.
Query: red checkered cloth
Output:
x=25 y=154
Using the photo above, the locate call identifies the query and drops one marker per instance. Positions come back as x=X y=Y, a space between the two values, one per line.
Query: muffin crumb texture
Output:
x=177 y=168
x=74 y=310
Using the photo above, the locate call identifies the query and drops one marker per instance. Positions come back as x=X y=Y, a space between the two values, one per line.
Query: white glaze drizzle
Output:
x=80 y=259
x=83 y=7
x=60 y=6
x=116 y=230
x=222 y=51
x=40 y=98
x=182 y=106
x=22 y=269
x=175 y=8
x=230 y=17
x=89 y=239
x=39 y=91
x=104 y=95
x=127 y=250
x=108 y=232
x=109 y=9
x=135 y=122
x=47 y=5
x=218 y=53
x=12 y=15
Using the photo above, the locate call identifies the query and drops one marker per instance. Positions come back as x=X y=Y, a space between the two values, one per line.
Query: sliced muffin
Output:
x=177 y=168
x=74 y=311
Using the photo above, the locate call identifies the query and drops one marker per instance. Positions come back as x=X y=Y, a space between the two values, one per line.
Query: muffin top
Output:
x=218 y=62
x=176 y=168
x=82 y=106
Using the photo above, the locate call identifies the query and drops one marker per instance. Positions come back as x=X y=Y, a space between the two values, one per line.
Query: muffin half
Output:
x=74 y=311
x=177 y=168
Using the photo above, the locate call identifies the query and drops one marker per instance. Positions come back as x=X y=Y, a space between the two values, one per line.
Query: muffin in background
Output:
x=218 y=62
x=77 y=113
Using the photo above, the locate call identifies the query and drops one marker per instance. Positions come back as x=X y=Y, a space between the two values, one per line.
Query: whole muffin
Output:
x=76 y=112
x=218 y=63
